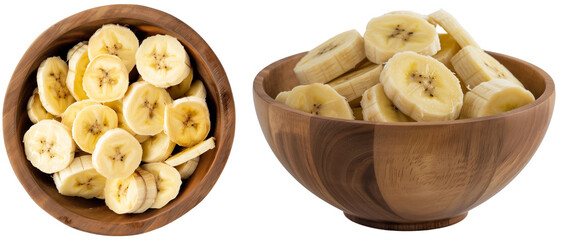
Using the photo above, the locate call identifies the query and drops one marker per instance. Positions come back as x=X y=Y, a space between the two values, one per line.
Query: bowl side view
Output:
x=92 y=215
x=403 y=176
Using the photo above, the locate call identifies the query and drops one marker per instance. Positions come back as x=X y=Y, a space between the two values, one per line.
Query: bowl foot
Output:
x=407 y=226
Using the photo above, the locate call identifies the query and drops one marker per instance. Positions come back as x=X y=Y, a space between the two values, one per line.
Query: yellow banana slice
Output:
x=187 y=121
x=168 y=182
x=106 y=79
x=452 y=27
x=125 y=195
x=144 y=106
x=494 y=97
x=448 y=48
x=53 y=92
x=117 y=154
x=90 y=124
x=422 y=87
x=394 y=33
x=181 y=89
x=68 y=116
x=117 y=106
x=377 y=107
x=78 y=60
x=151 y=190
x=331 y=58
x=163 y=61
x=114 y=40
x=80 y=179
x=35 y=110
x=282 y=96
x=354 y=83
x=191 y=152
x=319 y=99
x=49 y=146
x=157 y=148
x=188 y=168
x=197 y=89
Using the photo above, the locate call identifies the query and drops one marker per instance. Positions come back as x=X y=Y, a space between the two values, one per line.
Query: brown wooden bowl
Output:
x=403 y=176
x=93 y=215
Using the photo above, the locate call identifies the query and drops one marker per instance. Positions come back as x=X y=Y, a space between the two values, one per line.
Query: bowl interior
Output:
x=144 y=22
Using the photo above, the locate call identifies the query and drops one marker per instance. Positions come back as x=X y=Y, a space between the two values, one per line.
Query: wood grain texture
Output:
x=92 y=215
x=403 y=176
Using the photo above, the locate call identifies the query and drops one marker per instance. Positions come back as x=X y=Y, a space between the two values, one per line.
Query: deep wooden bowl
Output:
x=403 y=176
x=93 y=215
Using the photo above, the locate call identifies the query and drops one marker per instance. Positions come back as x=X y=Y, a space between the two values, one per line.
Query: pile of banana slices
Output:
x=403 y=70
x=101 y=137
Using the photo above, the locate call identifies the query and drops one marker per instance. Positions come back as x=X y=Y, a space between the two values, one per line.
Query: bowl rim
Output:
x=225 y=110
x=545 y=96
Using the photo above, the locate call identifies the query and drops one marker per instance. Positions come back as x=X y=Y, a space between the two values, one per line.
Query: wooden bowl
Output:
x=403 y=176
x=93 y=215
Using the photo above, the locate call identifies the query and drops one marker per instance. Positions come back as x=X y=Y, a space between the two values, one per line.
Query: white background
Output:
x=255 y=198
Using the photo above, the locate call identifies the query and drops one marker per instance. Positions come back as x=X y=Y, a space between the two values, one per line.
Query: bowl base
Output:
x=407 y=226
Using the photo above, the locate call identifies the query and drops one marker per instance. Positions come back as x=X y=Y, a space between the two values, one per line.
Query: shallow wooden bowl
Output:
x=403 y=176
x=93 y=215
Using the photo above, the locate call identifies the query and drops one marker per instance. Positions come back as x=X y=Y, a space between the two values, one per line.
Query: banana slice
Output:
x=68 y=116
x=90 y=124
x=151 y=190
x=377 y=107
x=35 y=110
x=474 y=66
x=493 y=97
x=393 y=33
x=354 y=83
x=181 y=89
x=106 y=79
x=143 y=108
x=117 y=106
x=117 y=154
x=191 y=152
x=187 y=168
x=78 y=60
x=168 y=182
x=331 y=59
x=163 y=61
x=448 y=48
x=53 y=92
x=157 y=148
x=125 y=195
x=452 y=27
x=49 y=146
x=80 y=179
x=282 y=96
x=114 y=40
x=197 y=89
x=319 y=99
x=187 y=121
x=422 y=87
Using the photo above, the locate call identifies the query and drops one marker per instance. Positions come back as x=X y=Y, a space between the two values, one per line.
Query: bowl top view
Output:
x=92 y=215
x=403 y=175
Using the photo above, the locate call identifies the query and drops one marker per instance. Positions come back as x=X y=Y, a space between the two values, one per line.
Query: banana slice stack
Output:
x=404 y=70
x=101 y=136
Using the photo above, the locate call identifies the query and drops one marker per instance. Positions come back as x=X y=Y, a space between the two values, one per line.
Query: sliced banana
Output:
x=474 y=66
x=143 y=108
x=80 y=179
x=422 y=87
x=197 y=89
x=168 y=182
x=354 y=83
x=181 y=89
x=331 y=58
x=78 y=60
x=90 y=124
x=49 y=146
x=117 y=106
x=106 y=78
x=125 y=195
x=452 y=27
x=114 y=40
x=494 y=97
x=151 y=190
x=191 y=152
x=187 y=168
x=448 y=48
x=163 y=61
x=187 y=121
x=319 y=99
x=394 y=33
x=35 y=110
x=68 y=116
x=282 y=96
x=53 y=92
x=377 y=107
x=117 y=154
x=157 y=148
